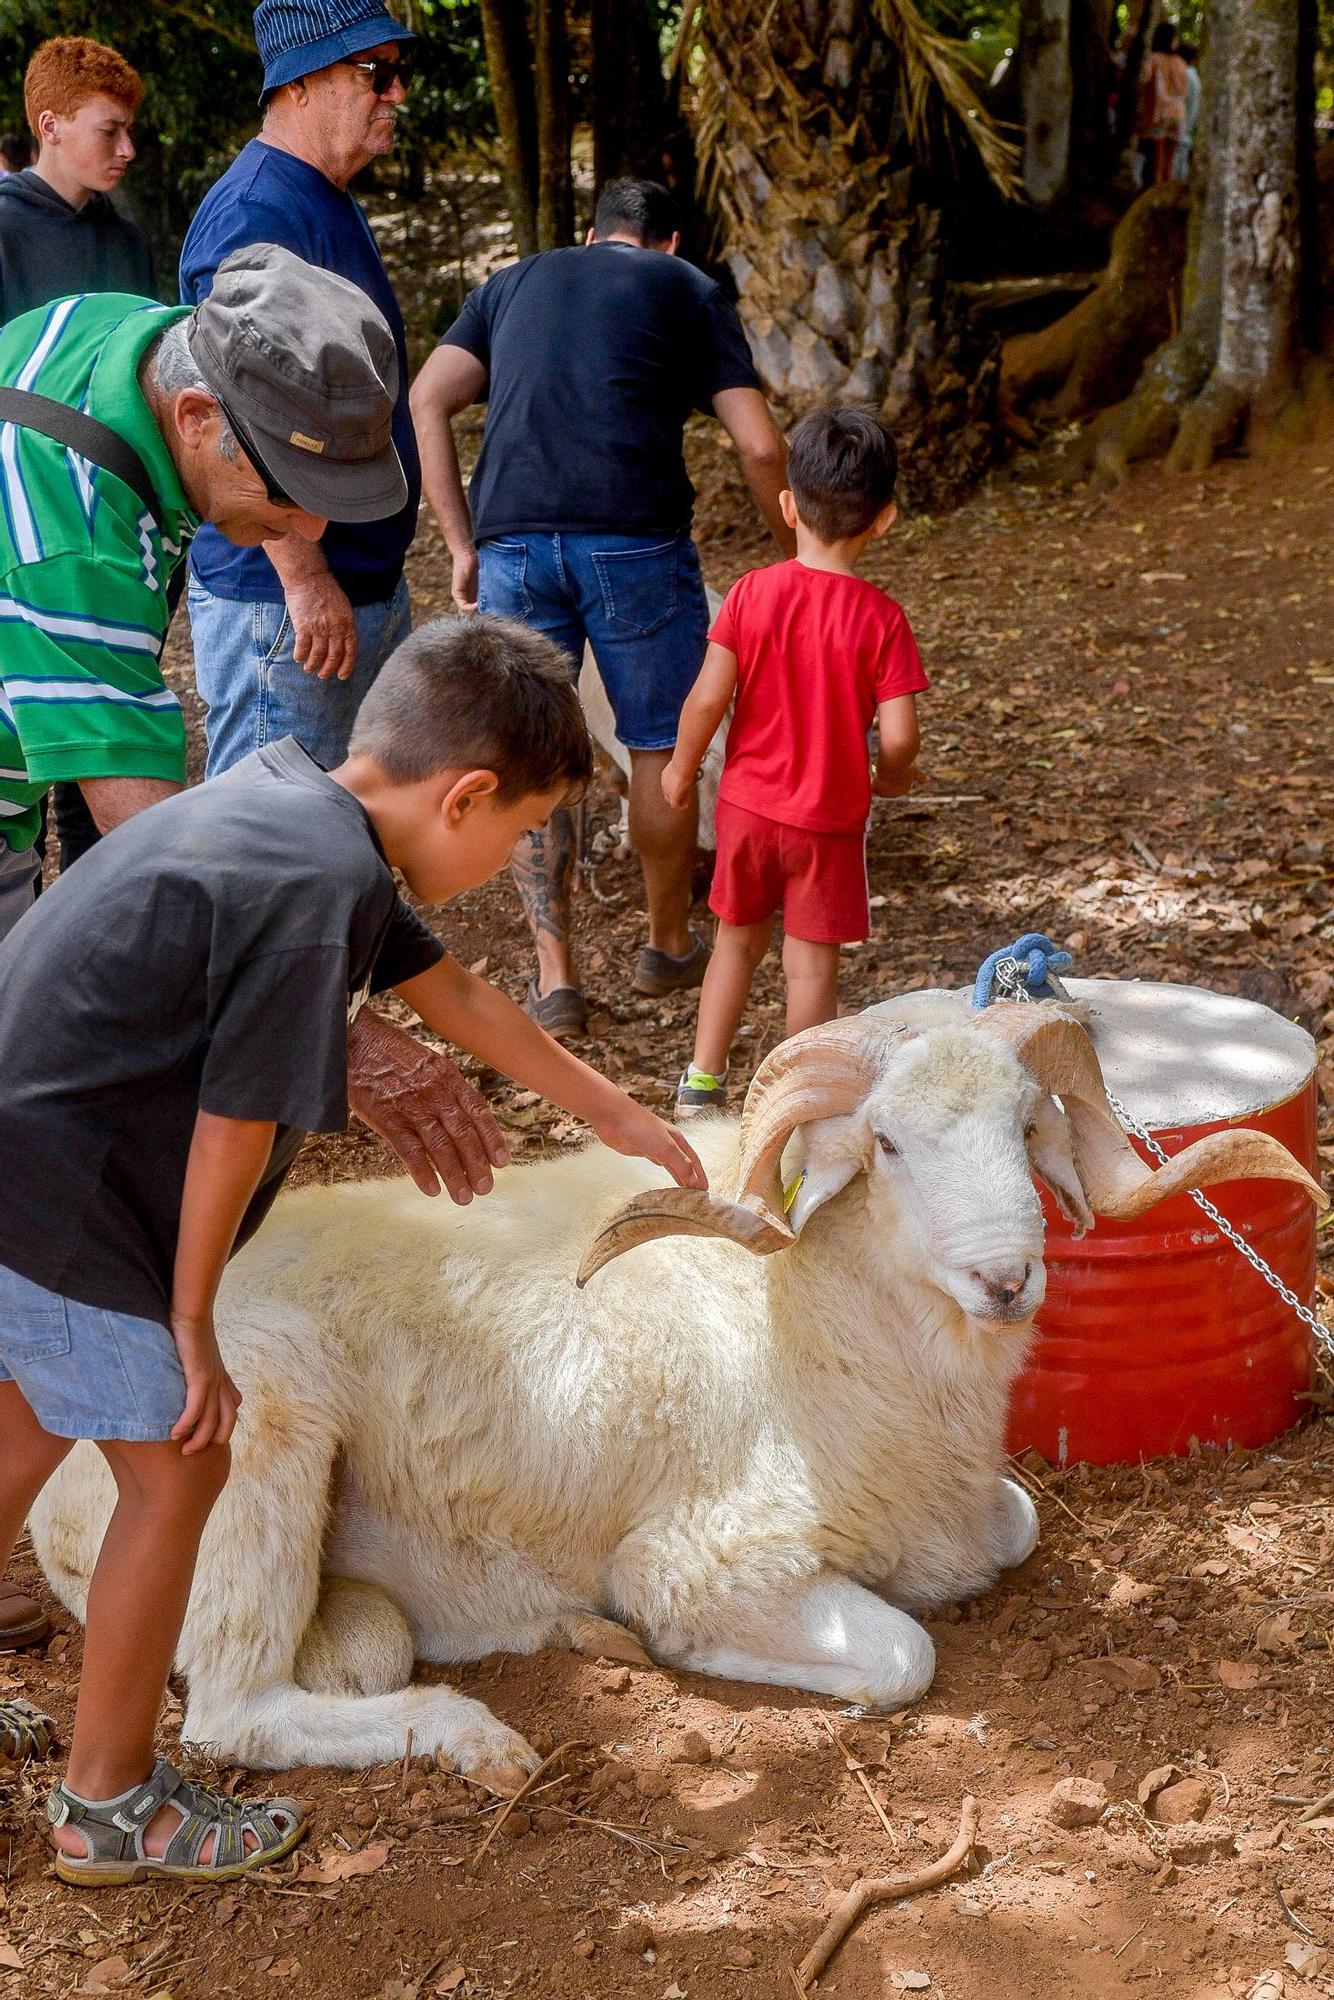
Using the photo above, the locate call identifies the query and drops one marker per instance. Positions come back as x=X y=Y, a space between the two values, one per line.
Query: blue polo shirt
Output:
x=267 y=196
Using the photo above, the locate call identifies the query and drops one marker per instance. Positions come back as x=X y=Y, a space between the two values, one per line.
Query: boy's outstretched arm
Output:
x=896 y=765
x=227 y=1157
x=467 y=1011
x=705 y=707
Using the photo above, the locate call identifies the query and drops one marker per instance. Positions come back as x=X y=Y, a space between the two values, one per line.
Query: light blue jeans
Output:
x=86 y=1372
x=255 y=691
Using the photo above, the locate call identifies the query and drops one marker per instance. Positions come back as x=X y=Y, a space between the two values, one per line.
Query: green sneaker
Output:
x=698 y=1091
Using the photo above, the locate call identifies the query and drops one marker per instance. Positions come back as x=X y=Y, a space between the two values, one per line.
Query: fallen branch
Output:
x=1317 y=1809
x=874 y=1890
x=858 y=1771
x=529 y=1785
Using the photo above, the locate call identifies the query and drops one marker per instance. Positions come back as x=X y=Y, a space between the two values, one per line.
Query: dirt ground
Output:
x=1129 y=748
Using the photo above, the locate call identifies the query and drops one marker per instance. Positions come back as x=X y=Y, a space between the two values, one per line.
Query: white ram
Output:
x=760 y=1465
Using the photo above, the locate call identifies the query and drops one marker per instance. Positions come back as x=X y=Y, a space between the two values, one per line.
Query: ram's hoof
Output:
x=489 y=1752
x=603 y=1639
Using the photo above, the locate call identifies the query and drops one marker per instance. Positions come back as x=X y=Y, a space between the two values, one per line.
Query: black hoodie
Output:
x=49 y=249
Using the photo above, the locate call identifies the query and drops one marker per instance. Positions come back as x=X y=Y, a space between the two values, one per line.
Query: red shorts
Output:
x=817 y=880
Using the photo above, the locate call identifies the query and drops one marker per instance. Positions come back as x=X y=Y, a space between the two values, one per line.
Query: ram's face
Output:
x=944 y=1141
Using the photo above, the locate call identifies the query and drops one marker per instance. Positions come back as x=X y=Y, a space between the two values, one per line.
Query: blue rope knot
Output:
x=1029 y=961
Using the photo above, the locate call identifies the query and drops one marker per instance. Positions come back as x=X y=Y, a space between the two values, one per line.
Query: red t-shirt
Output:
x=816 y=653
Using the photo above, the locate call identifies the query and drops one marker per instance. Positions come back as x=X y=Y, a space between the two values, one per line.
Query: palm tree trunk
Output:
x=812 y=118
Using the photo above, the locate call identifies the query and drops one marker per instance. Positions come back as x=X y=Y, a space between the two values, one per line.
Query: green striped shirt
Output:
x=83 y=568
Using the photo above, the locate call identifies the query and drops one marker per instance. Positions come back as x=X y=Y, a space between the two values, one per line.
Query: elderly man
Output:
x=267 y=412
x=591 y=360
x=289 y=636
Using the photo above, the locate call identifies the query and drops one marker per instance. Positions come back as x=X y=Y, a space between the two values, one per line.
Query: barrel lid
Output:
x=1181 y=1055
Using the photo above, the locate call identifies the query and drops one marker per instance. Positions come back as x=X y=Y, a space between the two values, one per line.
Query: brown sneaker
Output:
x=658 y=973
x=22 y=1622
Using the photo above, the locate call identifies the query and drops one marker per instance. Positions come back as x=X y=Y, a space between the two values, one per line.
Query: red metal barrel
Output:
x=1158 y=1331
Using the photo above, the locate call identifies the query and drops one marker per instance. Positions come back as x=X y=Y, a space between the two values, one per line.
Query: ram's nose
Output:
x=1003 y=1283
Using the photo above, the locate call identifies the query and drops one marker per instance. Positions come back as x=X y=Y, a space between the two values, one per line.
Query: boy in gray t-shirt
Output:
x=173 y=1018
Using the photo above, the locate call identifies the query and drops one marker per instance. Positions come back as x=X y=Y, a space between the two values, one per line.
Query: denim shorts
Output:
x=637 y=600
x=255 y=693
x=85 y=1372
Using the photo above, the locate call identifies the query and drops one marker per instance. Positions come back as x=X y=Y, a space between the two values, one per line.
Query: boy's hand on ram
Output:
x=629 y=1128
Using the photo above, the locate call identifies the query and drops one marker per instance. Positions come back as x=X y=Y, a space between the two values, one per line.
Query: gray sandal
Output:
x=114 y=1831
x=25 y=1731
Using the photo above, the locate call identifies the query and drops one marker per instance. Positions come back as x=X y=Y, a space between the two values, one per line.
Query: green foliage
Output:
x=202 y=74
x=450 y=101
x=201 y=77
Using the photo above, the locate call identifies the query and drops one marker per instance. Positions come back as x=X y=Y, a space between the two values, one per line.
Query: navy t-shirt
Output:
x=267 y=196
x=595 y=358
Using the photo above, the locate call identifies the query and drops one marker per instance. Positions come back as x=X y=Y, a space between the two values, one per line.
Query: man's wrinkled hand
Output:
x=324 y=627
x=422 y=1106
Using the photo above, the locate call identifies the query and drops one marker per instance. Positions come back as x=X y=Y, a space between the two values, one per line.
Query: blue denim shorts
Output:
x=85 y=1372
x=253 y=689
x=638 y=601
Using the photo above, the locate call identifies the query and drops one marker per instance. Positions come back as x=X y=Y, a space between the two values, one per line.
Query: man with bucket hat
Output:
x=289 y=636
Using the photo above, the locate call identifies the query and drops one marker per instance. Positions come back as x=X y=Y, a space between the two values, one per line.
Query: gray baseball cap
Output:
x=306 y=370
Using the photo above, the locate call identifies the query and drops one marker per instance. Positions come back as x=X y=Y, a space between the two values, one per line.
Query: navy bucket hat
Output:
x=297 y=37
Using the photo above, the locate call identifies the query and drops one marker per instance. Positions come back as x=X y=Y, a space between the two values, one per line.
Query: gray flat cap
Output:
x=305 y=366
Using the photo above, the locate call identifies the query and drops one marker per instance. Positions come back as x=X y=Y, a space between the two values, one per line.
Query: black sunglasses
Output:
x=385 y=71
x=273 y=491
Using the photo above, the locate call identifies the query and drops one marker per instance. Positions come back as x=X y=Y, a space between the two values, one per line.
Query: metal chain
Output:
x=1234 y=1236
x=1010 y=979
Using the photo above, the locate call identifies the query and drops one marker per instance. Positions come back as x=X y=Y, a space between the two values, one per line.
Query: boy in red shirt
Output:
x=813 y=655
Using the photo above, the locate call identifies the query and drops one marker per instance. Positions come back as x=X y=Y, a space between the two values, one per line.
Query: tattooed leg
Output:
x=543 y=867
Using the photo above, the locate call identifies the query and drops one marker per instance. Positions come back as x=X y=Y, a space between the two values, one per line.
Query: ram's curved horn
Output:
x=818 y=1074
x=682 y=1212
x=1055 y=1049
x=821 y=1073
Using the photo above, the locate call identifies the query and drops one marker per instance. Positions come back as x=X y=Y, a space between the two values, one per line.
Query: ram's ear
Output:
x=1052 y=1159
x=833 y=1152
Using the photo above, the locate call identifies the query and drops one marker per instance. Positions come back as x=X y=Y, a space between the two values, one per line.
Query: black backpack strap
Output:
x=93 y=440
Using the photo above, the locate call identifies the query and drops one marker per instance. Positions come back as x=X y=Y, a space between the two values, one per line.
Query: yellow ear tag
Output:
x=792 y=1190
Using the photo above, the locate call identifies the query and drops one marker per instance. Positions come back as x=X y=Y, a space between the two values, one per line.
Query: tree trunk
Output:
x=832 y=228
x=1255 y=364
x=1313 y=274
x=551 y=69
x=635 y=129
x=509 y=60
x=1235 y=358
x=1092 y=147
x=1046 y=98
